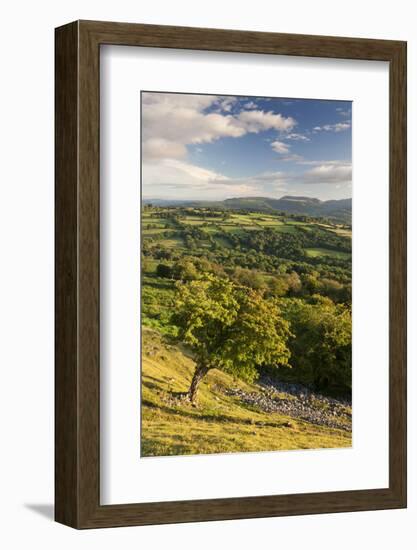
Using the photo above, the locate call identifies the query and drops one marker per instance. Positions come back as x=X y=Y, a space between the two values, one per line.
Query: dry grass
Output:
x=218 y=423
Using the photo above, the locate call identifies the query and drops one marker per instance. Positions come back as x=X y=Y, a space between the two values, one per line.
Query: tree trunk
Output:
x=199 y=374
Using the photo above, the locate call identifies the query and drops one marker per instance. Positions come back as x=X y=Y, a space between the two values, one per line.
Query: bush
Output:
x=164 y=270
x=321 y=343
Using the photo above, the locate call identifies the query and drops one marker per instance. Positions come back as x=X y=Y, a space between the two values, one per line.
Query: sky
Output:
x=212 y=147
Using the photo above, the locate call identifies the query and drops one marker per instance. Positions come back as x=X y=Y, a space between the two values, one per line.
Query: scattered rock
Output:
x=298 y=402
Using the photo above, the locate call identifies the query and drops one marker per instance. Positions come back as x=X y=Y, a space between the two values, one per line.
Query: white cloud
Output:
x=343 y=112
x=326 y=162
x=250 y=105
x=297 y=137
x=329 y=172
x=340 y=126
x=186 y=125
x=155 y=148
x=293 y=158
x=175 y=100
x=280 y=147
x=174 y=178
x=177 y=173
x=227 y=104
x=256 y=121
x=170 y=122
x=283 y=149
x=337 y=127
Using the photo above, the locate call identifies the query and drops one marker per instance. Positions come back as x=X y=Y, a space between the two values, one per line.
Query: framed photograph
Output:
x=230 y=274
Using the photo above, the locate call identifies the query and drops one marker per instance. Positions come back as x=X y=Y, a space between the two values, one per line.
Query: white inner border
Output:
x=125 y=477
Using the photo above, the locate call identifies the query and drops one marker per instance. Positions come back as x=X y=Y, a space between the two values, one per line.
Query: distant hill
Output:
x=336 y=209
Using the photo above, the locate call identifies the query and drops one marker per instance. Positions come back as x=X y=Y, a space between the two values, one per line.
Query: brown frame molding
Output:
x=77 y=466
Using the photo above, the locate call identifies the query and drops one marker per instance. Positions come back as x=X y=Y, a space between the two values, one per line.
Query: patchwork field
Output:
x=215 y=226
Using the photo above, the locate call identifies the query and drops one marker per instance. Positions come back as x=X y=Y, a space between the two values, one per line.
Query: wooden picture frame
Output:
x=77 y=425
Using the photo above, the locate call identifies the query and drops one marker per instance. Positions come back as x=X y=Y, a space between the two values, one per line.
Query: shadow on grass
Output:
x=213 y=418
x=151 y=385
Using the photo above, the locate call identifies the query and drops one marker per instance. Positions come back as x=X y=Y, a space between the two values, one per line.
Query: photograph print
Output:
x=246 y=274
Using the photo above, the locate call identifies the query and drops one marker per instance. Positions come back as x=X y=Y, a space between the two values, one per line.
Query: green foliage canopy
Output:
x=321 y=342
x=230 y=327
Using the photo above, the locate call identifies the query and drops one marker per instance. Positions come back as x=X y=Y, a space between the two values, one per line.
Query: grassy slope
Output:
x=219 y=423
x=318 y=252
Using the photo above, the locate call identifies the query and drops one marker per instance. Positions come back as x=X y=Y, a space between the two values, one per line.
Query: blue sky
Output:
x=215 y=147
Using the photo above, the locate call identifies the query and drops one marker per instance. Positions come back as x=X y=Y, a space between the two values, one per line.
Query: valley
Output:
x=297 y=267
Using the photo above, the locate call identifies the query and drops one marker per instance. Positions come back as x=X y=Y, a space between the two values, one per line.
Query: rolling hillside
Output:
x=230 y=415
x=340 y=210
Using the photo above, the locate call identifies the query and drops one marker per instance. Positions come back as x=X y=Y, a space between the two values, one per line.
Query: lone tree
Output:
x=230 y=328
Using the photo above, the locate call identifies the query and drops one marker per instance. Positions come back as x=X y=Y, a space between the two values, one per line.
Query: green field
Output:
x=249 y=221
x=318 y=252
